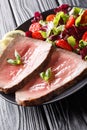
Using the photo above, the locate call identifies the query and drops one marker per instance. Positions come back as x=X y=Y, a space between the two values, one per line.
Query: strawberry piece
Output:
x=84 y=37
x=70 y=22
x=34 y=27
x=63 y=44
x=50 y=17
x=84 y=18
x=37 y=35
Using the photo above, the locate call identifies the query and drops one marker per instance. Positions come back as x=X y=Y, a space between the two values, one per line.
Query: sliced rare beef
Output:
x=34 y=54
x=67 y=68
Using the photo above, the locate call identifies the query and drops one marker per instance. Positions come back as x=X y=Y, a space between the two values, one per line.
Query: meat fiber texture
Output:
x=35 y=55
x=67 y=69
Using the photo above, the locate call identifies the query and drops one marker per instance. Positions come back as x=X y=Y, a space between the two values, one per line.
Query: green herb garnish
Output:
x=46 y=75
x=17 y=60
x=82 y=44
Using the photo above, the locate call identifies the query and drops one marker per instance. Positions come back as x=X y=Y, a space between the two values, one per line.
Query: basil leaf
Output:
x=42 y=75
x=46 y=75
x=17 y=56
x=17 y=61
x=11 y=61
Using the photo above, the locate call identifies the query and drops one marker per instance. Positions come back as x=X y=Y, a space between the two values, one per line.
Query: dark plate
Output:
x=71 y=90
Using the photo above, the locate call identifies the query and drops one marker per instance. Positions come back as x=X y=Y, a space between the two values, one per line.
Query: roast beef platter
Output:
x=49 y=57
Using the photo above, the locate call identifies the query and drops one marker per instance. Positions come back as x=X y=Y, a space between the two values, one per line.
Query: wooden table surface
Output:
x=67 y=114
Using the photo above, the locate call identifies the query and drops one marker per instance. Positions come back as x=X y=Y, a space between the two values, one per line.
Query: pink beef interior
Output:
x=9 y=71
x=65 y=67
x=33 y=53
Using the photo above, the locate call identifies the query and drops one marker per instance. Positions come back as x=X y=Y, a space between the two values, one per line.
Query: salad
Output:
x=65 y=28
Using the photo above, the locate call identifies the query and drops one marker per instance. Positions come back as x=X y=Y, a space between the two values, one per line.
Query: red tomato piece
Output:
x=34 y=27
x=50 y=17
x=70 y=22
x=37 y=35
x=84 y=17
x=84 y=37
x=63 y=44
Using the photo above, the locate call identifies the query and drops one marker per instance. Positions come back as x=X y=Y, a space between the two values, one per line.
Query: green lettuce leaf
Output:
x=71 y=40
x=58 y=16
